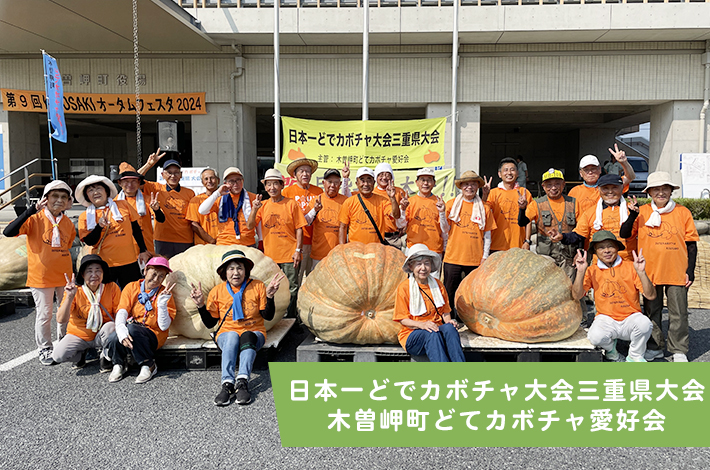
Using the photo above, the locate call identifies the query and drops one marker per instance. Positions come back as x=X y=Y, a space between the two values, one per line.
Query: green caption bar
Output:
x=491 y=404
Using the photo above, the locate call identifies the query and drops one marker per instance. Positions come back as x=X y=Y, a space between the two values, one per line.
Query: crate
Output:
x=198 y=354
x=476 y=349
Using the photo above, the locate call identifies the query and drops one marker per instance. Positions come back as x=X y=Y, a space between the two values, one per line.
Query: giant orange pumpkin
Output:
x=519 y=296
x=349 y=297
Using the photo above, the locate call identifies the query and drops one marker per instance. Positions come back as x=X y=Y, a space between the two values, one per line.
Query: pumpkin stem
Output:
x=370 y=314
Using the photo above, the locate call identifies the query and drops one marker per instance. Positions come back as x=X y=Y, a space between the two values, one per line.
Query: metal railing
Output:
x=401 y=3
x=26 y=181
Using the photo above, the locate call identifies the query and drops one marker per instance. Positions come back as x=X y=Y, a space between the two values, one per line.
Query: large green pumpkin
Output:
x=349 y=297
x=199 y=264
x=519 y=296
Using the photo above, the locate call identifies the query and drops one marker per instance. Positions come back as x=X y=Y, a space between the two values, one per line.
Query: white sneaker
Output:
x=146 y=373
x=116 y=373
x=680 y=357
x=653 y=354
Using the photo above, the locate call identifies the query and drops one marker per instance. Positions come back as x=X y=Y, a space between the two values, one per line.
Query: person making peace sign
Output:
x=145 y=313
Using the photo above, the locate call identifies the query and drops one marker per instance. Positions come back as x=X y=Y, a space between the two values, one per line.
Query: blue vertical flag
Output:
x=55 y=98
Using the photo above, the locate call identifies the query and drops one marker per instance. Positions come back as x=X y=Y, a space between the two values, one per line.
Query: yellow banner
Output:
x=402 y=178
x=403 y=144
x=106 y=103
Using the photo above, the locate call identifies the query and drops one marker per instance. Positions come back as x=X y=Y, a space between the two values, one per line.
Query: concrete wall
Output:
x=569 y=74
x=675 y=129
x=221 y=139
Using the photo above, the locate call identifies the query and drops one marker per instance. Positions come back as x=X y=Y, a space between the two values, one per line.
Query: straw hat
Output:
x=469 y=175
x=93 y=179
x=293 y=166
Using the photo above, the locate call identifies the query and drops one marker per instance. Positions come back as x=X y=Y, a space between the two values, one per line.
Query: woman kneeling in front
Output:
x=422 y=307
x=89 y=306
x=240 y=305
x=144 y=315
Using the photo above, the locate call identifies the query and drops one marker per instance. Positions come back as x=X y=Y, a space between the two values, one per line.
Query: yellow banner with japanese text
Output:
x=403 y=144
x=406 y=179
x=106 y=103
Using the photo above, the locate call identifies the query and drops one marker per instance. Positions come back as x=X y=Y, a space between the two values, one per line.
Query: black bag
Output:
x=372 y=221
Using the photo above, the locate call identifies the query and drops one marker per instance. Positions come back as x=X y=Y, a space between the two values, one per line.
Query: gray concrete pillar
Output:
x=221 y=139
x=675 y=127
x=467 y=132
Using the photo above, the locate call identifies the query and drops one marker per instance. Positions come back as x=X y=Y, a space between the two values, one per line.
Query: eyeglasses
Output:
x=173 y=173
x=233 y=182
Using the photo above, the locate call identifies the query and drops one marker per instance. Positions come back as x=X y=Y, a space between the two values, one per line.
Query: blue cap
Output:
x=171 y=162
x=609 y=179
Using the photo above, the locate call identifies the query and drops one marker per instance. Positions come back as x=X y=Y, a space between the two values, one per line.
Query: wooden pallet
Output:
x=476 y=349
x=200 y=354
x=21 y=297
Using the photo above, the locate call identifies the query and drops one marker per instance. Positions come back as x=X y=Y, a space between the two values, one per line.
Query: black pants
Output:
x=145 y=343
x=122 y=275
x=453 y=275
x=170 y=249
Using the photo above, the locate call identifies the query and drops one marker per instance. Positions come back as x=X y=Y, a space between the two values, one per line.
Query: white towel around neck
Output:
x=140 y=201
x=95 y=319
x=623 y=213
x=655 y=219
x=417 y=304
x=478 y=211
x=56 y=238
x=91 y=214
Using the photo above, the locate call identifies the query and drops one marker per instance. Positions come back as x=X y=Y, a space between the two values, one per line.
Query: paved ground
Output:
x=54 y=417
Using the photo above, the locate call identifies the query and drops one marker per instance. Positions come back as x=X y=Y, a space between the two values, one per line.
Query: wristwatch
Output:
x=529 y=242
x=298 y=250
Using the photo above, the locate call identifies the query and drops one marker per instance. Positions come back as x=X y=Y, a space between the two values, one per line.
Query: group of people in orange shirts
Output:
x=135 y=231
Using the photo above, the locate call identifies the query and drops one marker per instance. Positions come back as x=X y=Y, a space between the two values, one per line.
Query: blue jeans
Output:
x=437 y=345
x=228 y=342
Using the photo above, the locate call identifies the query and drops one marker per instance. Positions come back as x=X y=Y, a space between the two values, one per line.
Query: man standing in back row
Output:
x=175 y=235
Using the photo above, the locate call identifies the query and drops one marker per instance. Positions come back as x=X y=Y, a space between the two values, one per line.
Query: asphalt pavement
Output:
x=55 y=417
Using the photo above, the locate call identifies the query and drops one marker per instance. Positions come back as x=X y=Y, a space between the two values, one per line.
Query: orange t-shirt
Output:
x=616 y=290
x=465 y=245
x=136 y=311
x=360 y=228
x=401 y=308
x=117 y=246
x=326 y=226
x=610 y=222
x=423 y=223
x=176 y=228
x=145 y=221
x=664 y=246
x=46 y=266
x=279 y=222
x=227 y=235
x=303 y=197
x=587 y=197
x=219 y=304
x=209 y=222
x=504 y=205
x=398 y=193
x=80 y=307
